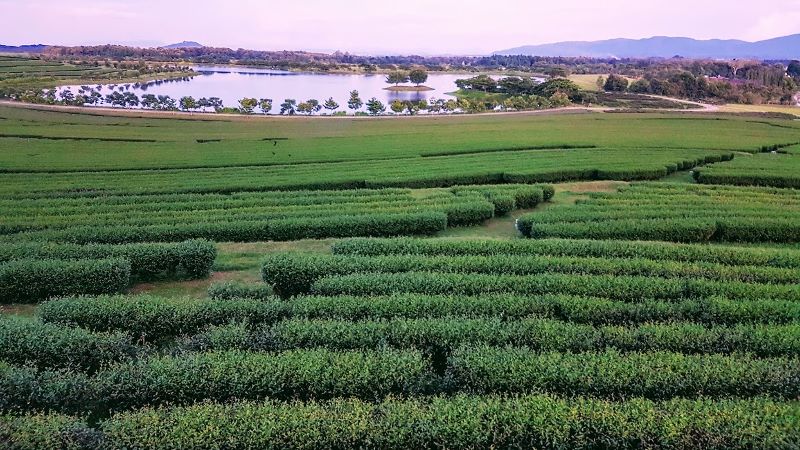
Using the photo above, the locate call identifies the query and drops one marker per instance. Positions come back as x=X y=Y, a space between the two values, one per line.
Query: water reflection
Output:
x=233 y=83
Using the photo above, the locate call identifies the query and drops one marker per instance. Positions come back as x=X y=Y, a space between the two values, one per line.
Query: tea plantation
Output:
x=566 y=281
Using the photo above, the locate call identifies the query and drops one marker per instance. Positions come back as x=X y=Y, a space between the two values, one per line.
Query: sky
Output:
x=425 y=27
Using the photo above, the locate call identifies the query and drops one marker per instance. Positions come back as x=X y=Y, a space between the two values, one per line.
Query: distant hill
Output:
x=786 y=47
x=32 y=48
x=185 y=44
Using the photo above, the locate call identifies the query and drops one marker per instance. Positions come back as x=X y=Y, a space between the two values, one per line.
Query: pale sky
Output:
x=386 y=27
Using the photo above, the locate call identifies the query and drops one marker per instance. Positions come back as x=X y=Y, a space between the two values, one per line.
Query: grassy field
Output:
x=60 y=141
x=794 y=110
x=20 y=74
x=588 y=82
x=182 y=282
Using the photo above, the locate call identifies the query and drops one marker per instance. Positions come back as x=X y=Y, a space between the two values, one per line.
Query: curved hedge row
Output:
x=47 y=431
x=221 y=376
x=230 y=290
x=30 y=281
x=656 y=375
x=30 y=342
x=658 y=251
x=676 y=212
x=294 y=273
x=624 y=288
x=465 y=422
x=249 y=231
x=588 y=310
x=533 y=421
x=678 y=230
x=192 y=258
x=438 y=336
x=151 y=318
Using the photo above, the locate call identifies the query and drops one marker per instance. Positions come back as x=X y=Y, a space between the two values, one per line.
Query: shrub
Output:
x=30 y=281
x=588 y=310
x=191 y=258
x=623 y=288
x=301 y=270
x=152 y=318
x=45 y=431
x=465 y=422
x=658 y=251
x=233 y=289
x=656 y=375
x=26 y=341
x=308 y=374
x=442 y=335
x=25 y=389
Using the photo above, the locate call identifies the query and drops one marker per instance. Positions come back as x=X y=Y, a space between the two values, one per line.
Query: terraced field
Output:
x=676 y=212
x=780 y=168
x=181 y=296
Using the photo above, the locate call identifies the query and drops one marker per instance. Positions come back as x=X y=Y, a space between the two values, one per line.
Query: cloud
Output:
x=776 y=24
x=381 y=26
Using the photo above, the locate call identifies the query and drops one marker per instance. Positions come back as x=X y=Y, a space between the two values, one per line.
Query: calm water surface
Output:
x=233 y=83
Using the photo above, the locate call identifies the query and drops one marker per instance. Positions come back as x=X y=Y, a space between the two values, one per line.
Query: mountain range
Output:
x=32 y=48
x=781 y=48
x=184 y=44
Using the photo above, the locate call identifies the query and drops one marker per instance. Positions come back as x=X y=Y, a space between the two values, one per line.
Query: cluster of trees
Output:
x=747 y=84
x=416 y=76
x=526 y=90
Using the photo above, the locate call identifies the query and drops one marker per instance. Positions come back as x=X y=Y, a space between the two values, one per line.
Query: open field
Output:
x=794 y=110
x=445 y=282
x=40 y=140
x=588 y=82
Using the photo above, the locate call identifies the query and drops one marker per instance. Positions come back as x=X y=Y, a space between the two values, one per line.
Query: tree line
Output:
x=751 y=85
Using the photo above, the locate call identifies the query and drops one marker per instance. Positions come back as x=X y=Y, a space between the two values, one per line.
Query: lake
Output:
x=233 y=83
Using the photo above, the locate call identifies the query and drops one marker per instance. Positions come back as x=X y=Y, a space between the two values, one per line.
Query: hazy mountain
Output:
x=787 y=47
x=32 y=48
x=184 y=44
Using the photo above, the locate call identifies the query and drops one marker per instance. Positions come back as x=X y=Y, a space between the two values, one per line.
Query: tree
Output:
x=640 y=86
x=314 y=104
x=550 y=87
x=130 y=99
x=397 y=106
x=149 y=101
x=600 y=83
x=305 y=108
x=265 y=104
x=616 y=83
x=188 y=103
x=559 y=99
x=354 y=102
x=418 y=76
x=331 y=105
x=288 y=106
x=247 y=105
x=794 y=69
x=483 y=83
x=397 y=77
x=516 y=85
x=216 y=103
x=414 y=107
x=375 y=106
